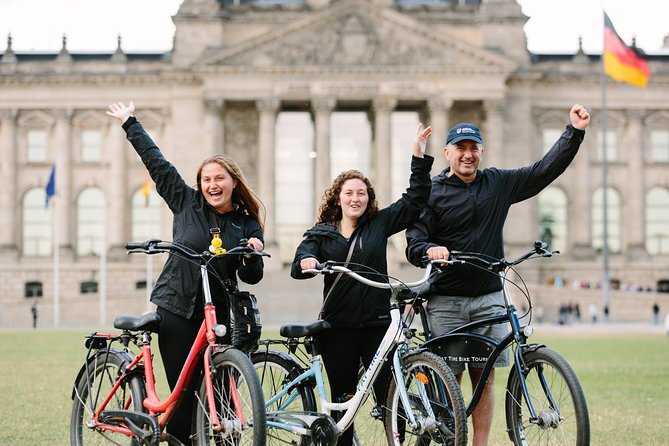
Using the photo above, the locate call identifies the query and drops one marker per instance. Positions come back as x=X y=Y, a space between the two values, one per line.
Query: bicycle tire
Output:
x=274 y=370
x=93 y=384
x=231 y=366
x=571 y=426
x=446 y=403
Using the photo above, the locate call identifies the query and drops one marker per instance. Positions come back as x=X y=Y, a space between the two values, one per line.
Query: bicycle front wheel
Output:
x=95 y=383
x=435 y=401
x=240 y=406
x=557 y=398
x=275 y=371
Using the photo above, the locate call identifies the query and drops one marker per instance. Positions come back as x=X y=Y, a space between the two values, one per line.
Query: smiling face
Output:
x=217 y=185
x=464 y=158
x=353 y=199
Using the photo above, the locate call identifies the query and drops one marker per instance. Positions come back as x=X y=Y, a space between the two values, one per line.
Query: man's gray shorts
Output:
x=448 y=312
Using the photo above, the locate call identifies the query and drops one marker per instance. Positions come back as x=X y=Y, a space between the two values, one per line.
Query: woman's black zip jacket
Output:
x=353 y=304
x=178 y=287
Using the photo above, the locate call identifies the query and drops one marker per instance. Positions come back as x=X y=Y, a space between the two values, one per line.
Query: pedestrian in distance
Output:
x=221 y=198
x=351 y=227
x=34 y=310
x=656 y=314
x=466 y=212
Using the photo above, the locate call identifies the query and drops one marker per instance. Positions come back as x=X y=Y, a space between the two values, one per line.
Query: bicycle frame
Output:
x=204 y=344
x=394 y=336
x=442 y=345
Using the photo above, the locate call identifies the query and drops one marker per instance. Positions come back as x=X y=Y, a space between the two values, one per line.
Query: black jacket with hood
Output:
x=353 y=304
x=179 y=287
x=470 y=216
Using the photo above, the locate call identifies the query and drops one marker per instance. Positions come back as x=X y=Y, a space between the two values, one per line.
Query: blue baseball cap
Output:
x=462 y=131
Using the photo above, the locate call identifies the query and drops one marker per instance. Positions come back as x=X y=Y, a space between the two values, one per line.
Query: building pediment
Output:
x=357 y=36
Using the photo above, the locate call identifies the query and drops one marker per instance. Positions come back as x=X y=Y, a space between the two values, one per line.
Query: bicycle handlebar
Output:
x=155 y=246
x=330 y=267
x=539 y=249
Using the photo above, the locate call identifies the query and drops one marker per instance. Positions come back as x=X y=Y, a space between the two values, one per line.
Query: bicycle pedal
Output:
x=134 y=421
x=376 y=412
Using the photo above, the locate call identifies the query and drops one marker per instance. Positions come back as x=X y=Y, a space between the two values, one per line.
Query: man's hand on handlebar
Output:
x=438 y=253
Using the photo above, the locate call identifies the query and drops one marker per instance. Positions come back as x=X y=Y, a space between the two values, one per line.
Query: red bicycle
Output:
x=114 y=395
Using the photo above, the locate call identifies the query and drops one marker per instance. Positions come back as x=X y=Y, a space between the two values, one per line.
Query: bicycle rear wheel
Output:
x=240 y=405
x=443 y=421
x=92 y=386
x=274 y=371
x=564 y=423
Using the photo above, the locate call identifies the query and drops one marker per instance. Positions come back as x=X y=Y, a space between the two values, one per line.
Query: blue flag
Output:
x=51 y=185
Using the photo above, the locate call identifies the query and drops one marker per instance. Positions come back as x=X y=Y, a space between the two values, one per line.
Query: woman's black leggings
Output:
x=342 y=350
x=175 y=340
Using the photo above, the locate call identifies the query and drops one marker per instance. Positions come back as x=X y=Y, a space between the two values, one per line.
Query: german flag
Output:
x=621 y=62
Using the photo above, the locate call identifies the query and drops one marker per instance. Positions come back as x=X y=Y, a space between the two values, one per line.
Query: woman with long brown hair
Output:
x=351 y=228
x=221 y=199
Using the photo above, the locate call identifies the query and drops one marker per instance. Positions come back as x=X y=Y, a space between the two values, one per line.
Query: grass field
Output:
x=625 y=377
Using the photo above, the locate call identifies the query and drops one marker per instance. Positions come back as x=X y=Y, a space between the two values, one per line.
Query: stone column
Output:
x=383 y=107
x=633 y=230
x=62 y=139
x=439 y=110
x=119 y=204
x=322 y=108
x=493 y=138
x=213 y=126
x=267 y=109
x=9 y=207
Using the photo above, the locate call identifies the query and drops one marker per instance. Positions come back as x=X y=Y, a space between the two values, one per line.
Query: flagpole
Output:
x=102 y=287
x=606 y=283
x=56 y=263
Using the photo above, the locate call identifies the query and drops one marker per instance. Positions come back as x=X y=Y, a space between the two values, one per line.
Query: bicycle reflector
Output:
x=220 y=330
x=422 y=377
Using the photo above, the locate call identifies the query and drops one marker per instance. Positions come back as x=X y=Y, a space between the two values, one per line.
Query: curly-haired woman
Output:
x=350 y=219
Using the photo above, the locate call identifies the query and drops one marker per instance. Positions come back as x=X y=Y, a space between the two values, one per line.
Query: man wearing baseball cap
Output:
x=466 y=212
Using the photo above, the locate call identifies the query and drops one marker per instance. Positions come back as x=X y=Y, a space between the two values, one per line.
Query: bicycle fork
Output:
x=521 y=368
x=429 y=421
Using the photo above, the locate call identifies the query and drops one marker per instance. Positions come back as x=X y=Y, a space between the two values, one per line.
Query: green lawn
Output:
x=625 y=378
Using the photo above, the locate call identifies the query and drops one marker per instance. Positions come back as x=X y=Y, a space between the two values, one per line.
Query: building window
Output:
x=37 y=147
x=88 y=286
x=553 y=218
x=146 y=214
x=659 y=145
x=404 y=125
x=350 y=143
x=548 y=138
x=90 y=222
x=91 y=146
x=611 y=144
x=37 y=240
x=294 y=162
x=657 y=221
x=33 y=289
x=613 y=217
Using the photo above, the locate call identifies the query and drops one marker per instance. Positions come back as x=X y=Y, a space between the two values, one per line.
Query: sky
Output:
x=554 y=26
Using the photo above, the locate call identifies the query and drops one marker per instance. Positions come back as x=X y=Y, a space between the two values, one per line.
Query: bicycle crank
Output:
x=324 y=431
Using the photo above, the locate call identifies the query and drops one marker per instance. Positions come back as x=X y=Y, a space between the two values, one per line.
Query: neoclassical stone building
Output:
x=296 y=91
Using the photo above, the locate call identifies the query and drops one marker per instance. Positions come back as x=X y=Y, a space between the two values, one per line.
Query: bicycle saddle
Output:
x=301 y=330
x=146 y=322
